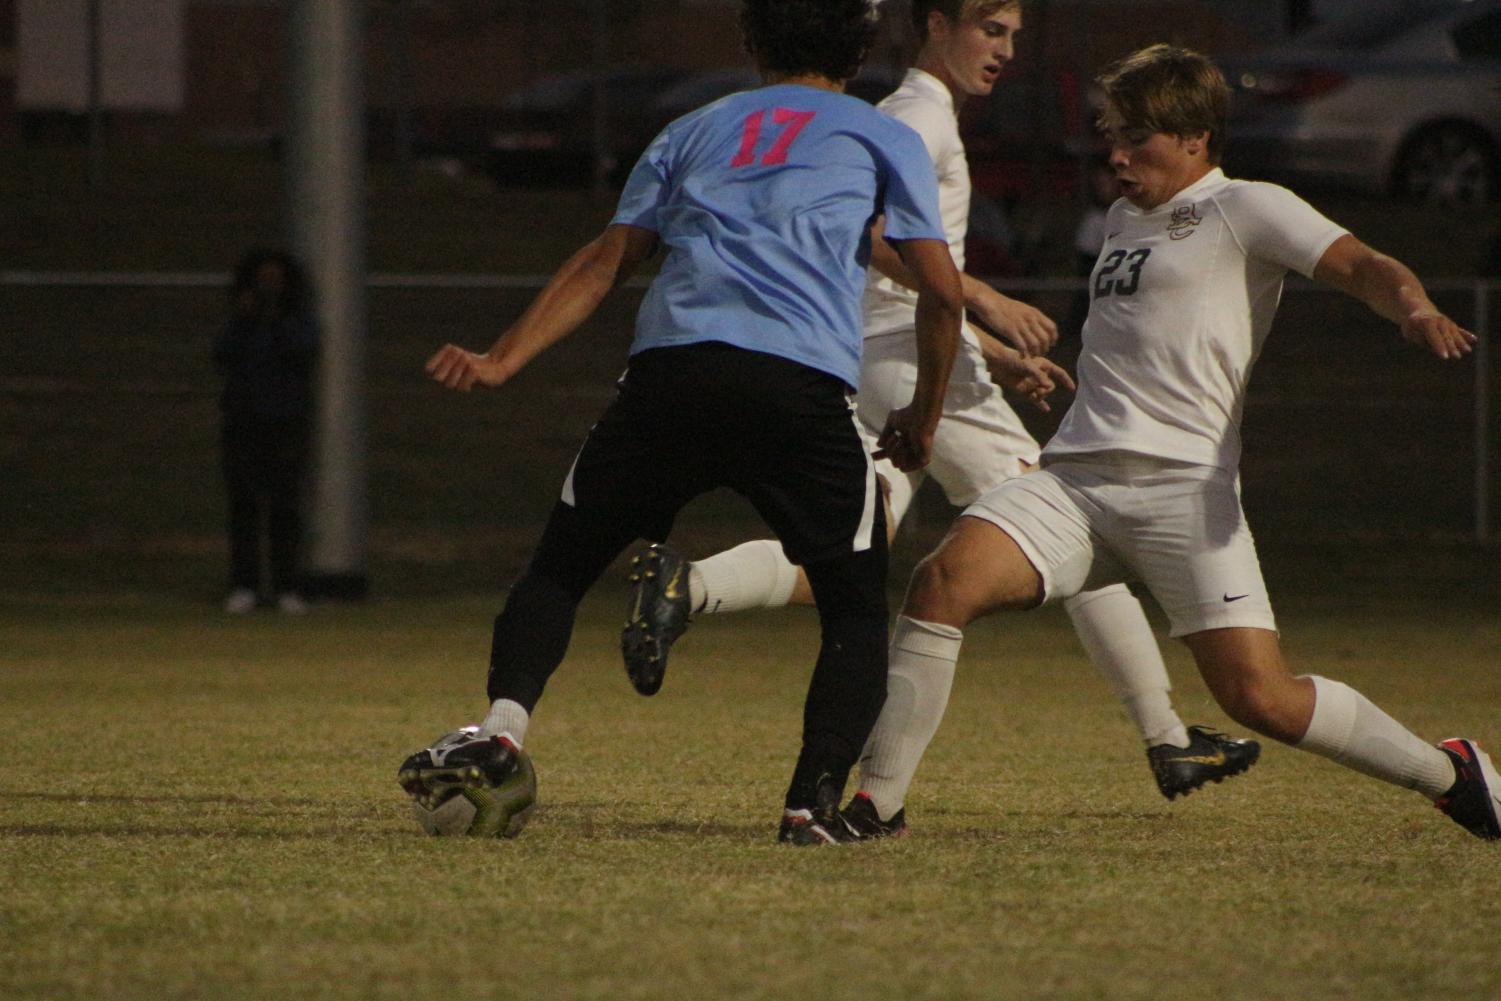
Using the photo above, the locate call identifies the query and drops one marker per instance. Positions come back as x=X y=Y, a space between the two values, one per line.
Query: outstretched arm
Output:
x=1391 y=290
x=907 y=439
x=569 y=299
x=1026 y=327
x=1036 y=378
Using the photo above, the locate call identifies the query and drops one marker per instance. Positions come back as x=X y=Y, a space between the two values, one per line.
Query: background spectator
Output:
x=266 y=355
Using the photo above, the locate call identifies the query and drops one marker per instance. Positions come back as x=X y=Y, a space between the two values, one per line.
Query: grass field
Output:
x=200 y=807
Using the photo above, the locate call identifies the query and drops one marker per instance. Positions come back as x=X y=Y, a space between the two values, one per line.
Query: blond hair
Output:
x=956 y=10
x=1165 y=88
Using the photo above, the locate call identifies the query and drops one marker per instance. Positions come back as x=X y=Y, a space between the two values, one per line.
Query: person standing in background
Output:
x=266 y=355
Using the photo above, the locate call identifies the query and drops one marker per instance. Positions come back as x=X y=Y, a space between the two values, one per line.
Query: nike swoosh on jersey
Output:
x=1228 y=598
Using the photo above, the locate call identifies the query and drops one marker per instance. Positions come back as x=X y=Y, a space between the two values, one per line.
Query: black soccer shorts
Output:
x=694 y=417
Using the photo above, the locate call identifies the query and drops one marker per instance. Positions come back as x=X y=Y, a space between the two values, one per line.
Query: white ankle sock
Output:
x=918 y=679
x=1349 y=729
x=506 y=717
x=1119 y=642
x=751 y=575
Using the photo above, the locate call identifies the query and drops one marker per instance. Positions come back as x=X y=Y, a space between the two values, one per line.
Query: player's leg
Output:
x=1196 y=553
x=848 y=686
x=1115 y=633
x=486 y=766
x=1245 y=671
x=976 y=569
x=808 y=472
x=1119 y=642
x=629 y=478
x=633 y=474
x=981 y=444
x=483 y=772
x=532 y=631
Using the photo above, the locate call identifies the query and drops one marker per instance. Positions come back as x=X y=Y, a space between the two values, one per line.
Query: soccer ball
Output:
x=468 y=784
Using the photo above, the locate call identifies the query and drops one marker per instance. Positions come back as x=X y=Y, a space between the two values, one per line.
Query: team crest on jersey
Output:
x=1182 y=224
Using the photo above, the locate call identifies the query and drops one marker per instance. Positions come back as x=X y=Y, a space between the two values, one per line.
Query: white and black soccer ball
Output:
x=453 y=793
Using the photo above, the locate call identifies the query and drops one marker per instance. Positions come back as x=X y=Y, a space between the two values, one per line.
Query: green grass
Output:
x=205 y=807
x=202 y=807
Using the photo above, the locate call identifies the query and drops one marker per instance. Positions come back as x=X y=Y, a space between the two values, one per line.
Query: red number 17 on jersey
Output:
x=793 y=122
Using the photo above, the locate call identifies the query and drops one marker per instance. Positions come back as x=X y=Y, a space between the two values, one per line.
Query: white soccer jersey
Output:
x=1181 y=300
x=925 y=105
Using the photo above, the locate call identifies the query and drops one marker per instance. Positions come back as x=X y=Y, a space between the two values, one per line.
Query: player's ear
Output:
x=1196 y=143
x=938 y=24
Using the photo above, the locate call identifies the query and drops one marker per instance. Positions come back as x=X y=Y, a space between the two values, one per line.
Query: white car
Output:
x=1404 y=98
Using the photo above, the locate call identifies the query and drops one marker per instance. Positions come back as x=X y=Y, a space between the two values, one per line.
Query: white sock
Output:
x=1349 y=729
x=751 y=575
x=918 y=679
x=1119 y=642
x=508 y=718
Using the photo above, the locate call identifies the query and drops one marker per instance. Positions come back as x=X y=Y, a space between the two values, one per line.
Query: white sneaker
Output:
x=291 y=603
x=240 y=601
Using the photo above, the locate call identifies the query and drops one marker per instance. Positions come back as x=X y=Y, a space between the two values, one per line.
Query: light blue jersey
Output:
x=764 y=201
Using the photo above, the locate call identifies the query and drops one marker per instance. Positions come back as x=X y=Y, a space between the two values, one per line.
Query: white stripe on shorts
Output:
x=872 y=492
x=568 y=497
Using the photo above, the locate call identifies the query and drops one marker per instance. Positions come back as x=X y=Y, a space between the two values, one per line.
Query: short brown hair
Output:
x=956 y=10
x=1170 y=89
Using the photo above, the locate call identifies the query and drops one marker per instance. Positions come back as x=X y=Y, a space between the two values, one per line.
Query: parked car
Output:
x=1404 y=99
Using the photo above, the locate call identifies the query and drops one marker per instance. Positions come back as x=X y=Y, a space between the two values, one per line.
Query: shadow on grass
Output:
x=312 y=816
x=221 y=798
x=317 y=833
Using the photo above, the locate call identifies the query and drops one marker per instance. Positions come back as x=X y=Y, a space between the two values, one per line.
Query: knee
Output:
x=1267 y=705
x=936 y=593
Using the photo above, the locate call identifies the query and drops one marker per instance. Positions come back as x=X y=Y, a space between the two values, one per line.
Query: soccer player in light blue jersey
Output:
x=763 y=202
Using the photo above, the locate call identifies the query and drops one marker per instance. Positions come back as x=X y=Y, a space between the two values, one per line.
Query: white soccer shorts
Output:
x=980 y=442
x=1179 y=530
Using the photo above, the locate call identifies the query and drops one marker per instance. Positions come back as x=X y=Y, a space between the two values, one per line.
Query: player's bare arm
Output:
x=1391 y=290
x=1023 y=325
x=568 y=299
x=907 y=439
x=1035 y=378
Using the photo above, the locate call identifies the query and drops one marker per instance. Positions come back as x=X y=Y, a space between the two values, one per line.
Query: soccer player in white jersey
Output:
x=965 y=44
x=1140 y=482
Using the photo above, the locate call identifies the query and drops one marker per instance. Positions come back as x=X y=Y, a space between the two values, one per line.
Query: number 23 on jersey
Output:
x=1110 y=281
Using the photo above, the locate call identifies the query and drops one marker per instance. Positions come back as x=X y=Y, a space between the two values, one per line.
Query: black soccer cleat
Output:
x=862 y=818
x=469 y=784
x=1209 y=757
x=657 y=615
x=1474 y=801
x=825 y=826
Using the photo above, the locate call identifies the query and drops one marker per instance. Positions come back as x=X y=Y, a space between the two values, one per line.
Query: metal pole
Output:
x=325 y=224
x=96 y=97
x=1482 y=414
